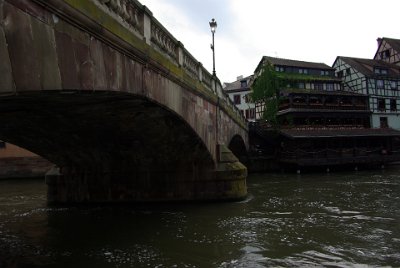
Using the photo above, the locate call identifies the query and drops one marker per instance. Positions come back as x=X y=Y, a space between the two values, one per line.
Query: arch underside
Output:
x=238 y=148
x=107 y=145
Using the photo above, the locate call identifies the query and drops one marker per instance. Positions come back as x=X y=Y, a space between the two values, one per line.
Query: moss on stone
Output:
x=111 y=24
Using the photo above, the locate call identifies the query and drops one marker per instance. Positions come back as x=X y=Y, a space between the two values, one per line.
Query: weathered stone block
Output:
x=45 y=48
x=67 y=61
x=97 y=58
x=84 y=64
x=18 y=31
x=110 y=62
x=1 y=11
x=6 y=79
x=33 y=9
x=133 y=76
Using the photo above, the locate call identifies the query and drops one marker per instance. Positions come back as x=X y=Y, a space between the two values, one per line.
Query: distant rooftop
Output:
x=293 y=63
x=366 y=66
x=394 y=43
x=237 y=85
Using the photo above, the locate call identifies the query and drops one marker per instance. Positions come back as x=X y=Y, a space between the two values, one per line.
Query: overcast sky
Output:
x=308 y=30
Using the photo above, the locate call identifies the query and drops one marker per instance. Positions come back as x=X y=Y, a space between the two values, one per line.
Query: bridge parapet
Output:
x=139 y=19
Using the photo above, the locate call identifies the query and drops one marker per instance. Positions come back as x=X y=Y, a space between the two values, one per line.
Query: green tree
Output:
x=265 y=91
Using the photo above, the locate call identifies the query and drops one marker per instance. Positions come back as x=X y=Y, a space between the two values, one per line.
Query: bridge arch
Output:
x=238 y=147
x=83 y=68
x=143 y=149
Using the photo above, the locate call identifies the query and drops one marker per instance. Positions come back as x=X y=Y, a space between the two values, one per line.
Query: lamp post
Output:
x=213 y=26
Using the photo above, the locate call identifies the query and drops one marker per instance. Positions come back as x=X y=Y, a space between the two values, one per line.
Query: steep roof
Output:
x=394 y=43
x=366 y=66
x=237 y=85
x=293 y=63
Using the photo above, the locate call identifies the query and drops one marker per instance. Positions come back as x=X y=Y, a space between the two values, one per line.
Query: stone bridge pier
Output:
x=102 y=90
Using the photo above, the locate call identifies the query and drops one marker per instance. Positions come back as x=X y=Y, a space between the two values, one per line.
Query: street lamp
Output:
x=213 y=26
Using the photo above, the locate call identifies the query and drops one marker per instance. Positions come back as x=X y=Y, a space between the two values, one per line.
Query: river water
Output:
x=349 y=219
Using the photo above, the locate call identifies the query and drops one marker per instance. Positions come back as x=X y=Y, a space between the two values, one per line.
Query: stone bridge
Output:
x=101 y=89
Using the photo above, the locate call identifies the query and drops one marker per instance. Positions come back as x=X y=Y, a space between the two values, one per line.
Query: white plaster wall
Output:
x=393 y=121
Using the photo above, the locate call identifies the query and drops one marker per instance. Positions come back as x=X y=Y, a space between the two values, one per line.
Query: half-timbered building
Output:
x=320 y=123
x=379 y=80
x=388 y=50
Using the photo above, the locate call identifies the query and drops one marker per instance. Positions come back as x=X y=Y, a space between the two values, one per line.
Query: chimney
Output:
x=240 y=77
x=379 y=40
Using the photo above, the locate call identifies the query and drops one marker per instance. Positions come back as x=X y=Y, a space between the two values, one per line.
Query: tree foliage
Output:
x=265 y=90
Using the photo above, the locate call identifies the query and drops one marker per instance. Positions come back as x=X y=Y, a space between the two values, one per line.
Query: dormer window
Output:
x=243 y=83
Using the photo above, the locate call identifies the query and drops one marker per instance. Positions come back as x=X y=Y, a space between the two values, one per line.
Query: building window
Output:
x=243 y=83
x=348 y=72
x=329 y=87
x=2 y=145
x=319 y=86
x=380 y=71
x=279 y=69
x=303 y=71
x=251 y=113
x=381 y=105
x=339 y=74
x=393 y=85
x=247 y=98
x=301 y=85
x=385 y=54
x=393 y=105
x=237 y=99
x=383 y=122
x=325 y=73
x=380 y=84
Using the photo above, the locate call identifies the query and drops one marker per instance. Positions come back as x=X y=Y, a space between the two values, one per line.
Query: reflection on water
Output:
x=337 y=220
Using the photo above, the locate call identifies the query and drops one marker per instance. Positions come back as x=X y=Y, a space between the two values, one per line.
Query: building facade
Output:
x=320 y=124
x=299 y=78
x=238 y=92
x=379 y=80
